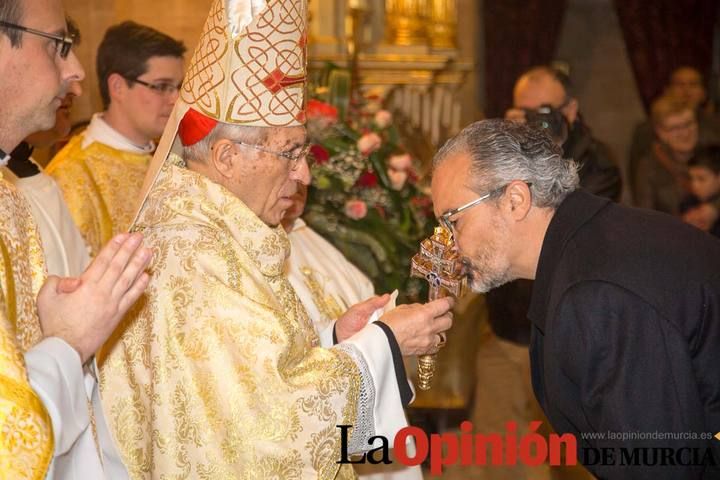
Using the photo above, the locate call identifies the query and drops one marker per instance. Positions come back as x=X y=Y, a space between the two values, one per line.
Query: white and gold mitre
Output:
x=249 y=68
x=250 y=65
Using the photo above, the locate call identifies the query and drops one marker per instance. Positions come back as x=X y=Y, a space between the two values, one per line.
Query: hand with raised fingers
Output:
x=357 y=316
x=84 y=311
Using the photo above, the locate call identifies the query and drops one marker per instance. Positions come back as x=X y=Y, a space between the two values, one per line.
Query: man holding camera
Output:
x=542 y=96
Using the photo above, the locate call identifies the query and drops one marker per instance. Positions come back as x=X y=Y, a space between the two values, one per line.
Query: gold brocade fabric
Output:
x=216 y=373
x=327 y=304
x=101 y=186
x=26 y=438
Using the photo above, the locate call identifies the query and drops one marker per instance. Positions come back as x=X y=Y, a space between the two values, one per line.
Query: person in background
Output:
x=101 y=170
x=688 y=86
x=704 y=170
x=662 y=175
x=545 y=86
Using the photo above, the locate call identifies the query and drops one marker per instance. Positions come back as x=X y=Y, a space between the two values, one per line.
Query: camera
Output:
x=549 y=119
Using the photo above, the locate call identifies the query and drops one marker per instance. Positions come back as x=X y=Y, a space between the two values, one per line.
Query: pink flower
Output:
x=401 y=162
x=399 y=169
x=355 y=209
x=383 y=118
x=369 y=143
x=397 y=178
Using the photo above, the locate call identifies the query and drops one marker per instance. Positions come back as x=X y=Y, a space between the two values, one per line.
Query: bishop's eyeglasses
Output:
x=63 y=42
x=293 y=156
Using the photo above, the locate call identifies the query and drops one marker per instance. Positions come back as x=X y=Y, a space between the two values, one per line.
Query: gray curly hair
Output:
x=502 y=151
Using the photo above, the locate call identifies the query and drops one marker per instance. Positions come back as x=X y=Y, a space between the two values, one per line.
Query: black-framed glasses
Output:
x=63 y=42
x=445 y=218
x=163 y=88
x=293 y=156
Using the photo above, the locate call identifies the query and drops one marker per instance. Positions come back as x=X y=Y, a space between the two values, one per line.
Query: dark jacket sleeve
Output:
x=636 y=376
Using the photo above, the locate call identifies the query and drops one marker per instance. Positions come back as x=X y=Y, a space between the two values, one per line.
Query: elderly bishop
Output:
x=219 y=372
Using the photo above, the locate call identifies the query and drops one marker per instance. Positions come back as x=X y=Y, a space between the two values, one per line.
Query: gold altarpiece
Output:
x=405 y=51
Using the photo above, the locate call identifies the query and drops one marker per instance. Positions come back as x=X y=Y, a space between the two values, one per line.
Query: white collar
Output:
x=298 y=224
x=4 y=158
x=100 y=131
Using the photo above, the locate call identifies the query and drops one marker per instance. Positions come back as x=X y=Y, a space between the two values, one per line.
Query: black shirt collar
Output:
x=20 y=163
x=573 y=213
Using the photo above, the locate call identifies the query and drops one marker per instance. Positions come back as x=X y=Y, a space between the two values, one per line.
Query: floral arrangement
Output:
x=365 y=197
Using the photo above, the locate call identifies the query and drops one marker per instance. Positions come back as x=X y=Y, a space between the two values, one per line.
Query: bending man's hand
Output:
x=357 y=316
x=417 y=327
x=85 y=311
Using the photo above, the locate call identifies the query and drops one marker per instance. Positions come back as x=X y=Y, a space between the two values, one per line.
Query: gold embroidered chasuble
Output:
x=216 y=373
x=101 y=185
x=26 y=437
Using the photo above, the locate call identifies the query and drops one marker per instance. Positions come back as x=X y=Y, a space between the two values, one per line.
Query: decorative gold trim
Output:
x=10 y=296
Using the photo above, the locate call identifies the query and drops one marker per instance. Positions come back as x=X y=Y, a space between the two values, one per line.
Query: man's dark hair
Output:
x=125 y=50
x=74 y=30
x=707 y=157
x=11 y=11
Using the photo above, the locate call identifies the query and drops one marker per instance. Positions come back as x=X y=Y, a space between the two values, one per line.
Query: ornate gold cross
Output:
x=438 y=263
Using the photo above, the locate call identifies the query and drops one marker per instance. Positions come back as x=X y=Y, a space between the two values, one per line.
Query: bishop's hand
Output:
x=84 y=311
x=417 y=327
x=357 y=316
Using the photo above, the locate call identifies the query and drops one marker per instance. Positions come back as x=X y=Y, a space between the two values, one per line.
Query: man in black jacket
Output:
x=503 y=362
x=625 y=309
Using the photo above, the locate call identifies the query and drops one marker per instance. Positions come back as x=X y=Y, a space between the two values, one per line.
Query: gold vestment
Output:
x=216 y=373
x=26 y=437
x=101 y=186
